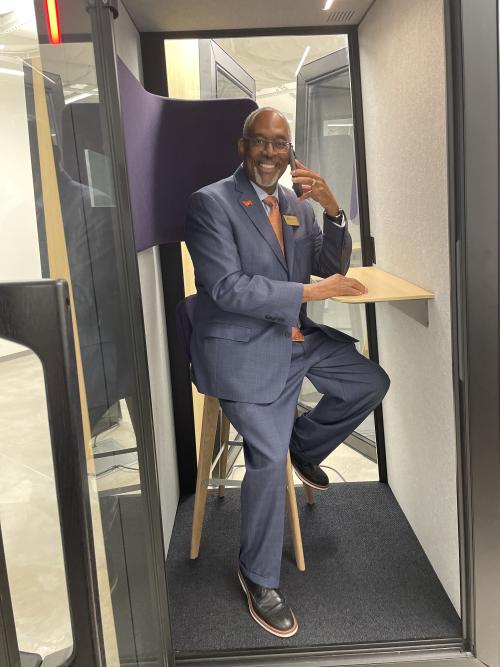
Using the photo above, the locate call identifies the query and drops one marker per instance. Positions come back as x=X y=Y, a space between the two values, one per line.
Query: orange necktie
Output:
x=275 y=220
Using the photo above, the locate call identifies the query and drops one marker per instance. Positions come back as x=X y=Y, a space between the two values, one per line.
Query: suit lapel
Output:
x=288 y=230
x=249 y=202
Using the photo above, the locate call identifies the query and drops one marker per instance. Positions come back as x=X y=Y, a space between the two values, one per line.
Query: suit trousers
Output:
x=352 y=386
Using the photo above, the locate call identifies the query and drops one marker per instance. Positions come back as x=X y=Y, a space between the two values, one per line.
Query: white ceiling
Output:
x=195 y=15
x=73 y=62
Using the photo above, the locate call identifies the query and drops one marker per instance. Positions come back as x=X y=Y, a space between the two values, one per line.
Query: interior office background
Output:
x=419 y=419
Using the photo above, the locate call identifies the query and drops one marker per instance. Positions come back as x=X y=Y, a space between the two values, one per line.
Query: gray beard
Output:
x=259 y=181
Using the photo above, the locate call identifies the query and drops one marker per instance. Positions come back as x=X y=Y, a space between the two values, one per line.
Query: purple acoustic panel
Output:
x=174 y=147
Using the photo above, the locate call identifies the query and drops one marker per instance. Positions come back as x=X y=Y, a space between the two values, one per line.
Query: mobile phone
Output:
x=297 y=187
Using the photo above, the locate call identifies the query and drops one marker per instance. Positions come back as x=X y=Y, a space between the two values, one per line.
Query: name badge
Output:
x=292 y=220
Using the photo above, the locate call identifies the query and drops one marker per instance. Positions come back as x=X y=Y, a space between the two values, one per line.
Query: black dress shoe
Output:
x=310 y=474
x=269 y=608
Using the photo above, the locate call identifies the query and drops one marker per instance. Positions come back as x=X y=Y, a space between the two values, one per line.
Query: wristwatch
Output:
x=337 y=219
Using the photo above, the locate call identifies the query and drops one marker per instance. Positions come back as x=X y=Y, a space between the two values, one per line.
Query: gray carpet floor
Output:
x=367 y=579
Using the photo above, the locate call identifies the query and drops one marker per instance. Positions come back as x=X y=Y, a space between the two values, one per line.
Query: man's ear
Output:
x=240 y=147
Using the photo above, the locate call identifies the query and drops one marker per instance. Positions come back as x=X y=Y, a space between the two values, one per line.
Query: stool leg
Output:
x=208 y=431
x=293 y=516
x=224 y=437
x=309 y=494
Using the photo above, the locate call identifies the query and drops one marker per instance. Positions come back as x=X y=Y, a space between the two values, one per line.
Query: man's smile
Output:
x=267 y=167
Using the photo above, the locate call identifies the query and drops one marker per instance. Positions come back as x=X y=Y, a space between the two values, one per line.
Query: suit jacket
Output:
x=248 y=294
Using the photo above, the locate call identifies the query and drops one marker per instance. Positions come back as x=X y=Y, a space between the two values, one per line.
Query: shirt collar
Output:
x=262 y=194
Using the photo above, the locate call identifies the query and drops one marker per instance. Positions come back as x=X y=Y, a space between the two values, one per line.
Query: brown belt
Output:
x=297 y=335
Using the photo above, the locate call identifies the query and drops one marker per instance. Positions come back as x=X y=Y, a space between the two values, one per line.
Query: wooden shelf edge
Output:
x=414 y=292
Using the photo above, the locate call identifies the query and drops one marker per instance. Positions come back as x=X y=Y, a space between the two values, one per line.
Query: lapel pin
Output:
x=247 y=202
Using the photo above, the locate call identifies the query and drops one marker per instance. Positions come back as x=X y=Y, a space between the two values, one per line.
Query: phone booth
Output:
x=123 y=111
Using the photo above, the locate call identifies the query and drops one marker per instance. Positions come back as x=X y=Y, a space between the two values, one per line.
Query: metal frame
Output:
x=37 y=314
x=101 y=16
x=471 y=43
x=213 y=58
x=473 y=106
x=347 y=60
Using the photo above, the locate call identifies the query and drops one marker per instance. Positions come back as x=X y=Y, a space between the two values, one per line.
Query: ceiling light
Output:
x=76 y=98
x=14 y=72
x=328 y=4
x=304 y=56
x=78 y=86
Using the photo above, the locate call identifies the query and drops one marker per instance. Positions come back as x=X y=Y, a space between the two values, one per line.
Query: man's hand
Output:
x=336 y=285
x=314 y=187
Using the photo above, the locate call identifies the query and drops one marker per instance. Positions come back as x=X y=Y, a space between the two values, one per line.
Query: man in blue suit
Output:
x=254 y=245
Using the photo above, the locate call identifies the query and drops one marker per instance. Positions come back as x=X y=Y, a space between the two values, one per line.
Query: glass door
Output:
x=325 y=142
x=221 y=75
x=64 y=214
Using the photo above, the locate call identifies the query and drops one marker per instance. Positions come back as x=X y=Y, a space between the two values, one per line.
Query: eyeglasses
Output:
x=279 y=145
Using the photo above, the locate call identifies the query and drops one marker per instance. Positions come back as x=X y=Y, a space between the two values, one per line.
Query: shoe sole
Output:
x=261 y=622
x=308 y=481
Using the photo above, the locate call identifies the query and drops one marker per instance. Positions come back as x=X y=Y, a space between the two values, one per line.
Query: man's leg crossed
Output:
x=352 y=387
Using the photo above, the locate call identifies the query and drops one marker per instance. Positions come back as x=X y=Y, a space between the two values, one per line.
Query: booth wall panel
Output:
x=128 y=49
x=402 y=57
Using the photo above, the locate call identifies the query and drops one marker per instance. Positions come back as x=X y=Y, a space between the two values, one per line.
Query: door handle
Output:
x=36 y=314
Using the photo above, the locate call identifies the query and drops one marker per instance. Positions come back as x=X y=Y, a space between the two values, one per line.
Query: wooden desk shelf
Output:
x=382 y=286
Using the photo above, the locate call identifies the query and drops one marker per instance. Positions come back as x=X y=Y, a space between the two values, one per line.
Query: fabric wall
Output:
x=128 y=49
x=403 y=82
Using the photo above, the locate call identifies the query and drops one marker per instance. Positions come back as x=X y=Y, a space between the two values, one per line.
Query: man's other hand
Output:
x=336 y=285
x=315 y=187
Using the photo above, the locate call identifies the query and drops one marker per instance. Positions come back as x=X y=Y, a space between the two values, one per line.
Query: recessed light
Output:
x=304 y=56
x=328 y=4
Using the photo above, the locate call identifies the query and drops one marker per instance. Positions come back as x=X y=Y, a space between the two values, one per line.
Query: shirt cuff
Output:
x=341 y=225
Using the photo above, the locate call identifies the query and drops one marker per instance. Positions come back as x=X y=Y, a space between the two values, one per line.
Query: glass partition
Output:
x=58 y=218
x=325 y=134
x=28 y=508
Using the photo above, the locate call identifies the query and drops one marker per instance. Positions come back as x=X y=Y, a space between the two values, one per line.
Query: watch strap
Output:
x=339 y=218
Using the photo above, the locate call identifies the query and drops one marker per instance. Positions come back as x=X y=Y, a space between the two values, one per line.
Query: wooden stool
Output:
x=211 y=411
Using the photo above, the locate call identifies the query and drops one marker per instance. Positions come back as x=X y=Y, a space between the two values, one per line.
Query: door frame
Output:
x=471 y=44
x=102 y=14
x=213 y=58
x=347 y=59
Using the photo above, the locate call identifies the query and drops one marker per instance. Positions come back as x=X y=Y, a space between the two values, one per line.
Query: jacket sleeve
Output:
x=211 y=244
x=332 y=249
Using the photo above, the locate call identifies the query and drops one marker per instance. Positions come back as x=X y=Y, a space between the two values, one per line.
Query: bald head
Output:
x=269 y=112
